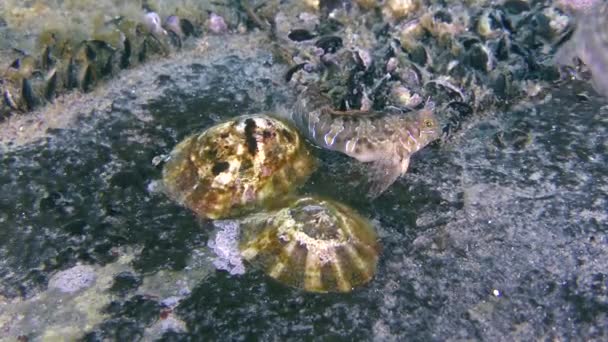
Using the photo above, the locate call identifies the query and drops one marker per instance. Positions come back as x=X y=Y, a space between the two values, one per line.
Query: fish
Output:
x=589 y=43
x=385 y=141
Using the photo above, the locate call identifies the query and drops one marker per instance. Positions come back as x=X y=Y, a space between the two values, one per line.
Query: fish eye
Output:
x=428 y=123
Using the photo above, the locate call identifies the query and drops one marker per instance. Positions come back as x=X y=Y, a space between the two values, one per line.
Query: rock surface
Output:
x=499 y=234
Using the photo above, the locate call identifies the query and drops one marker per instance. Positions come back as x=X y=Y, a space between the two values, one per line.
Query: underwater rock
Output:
x=482 y=242
x=313 y=244
x=72 y=305
x=247 y=162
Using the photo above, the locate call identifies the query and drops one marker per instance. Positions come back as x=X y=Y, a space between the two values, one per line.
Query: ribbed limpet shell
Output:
x=314 y=244
x=245 y=163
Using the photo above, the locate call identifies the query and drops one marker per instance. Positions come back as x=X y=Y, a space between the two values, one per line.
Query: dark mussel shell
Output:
x=444 y=91
x=329 y=44
x=300 y=35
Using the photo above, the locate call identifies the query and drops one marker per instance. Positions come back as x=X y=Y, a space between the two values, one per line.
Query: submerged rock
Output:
x=484 y=240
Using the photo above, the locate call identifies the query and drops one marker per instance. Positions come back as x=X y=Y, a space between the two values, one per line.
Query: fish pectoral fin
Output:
x=382 y=174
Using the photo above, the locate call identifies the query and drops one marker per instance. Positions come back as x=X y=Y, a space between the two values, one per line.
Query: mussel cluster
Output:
x=467 y=58
x=247 y=168
x=63 y=61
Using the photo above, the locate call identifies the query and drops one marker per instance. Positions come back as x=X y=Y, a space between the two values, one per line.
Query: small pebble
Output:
x=171 y=302
x=73 y=279
x=216 y=24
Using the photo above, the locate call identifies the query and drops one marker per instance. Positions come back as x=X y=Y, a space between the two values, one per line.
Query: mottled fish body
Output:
x=589 y=42
x=385 y=140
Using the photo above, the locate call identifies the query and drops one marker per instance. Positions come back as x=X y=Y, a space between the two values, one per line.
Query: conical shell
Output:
x=247 y=162
x=313 y=244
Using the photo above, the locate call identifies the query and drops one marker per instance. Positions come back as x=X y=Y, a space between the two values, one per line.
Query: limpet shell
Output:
x=235 y=166
x=313 y=244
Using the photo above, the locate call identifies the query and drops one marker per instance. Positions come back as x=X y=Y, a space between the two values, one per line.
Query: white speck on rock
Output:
x=158 y=159
x=536 y=176
x=73 y=279
x=154 y=186
x=171 y=302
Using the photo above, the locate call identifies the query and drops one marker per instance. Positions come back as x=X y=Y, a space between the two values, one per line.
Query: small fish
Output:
x=386 y=141
x=589 y=42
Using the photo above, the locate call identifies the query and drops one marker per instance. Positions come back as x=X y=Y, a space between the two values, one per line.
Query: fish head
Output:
x=428 y=125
